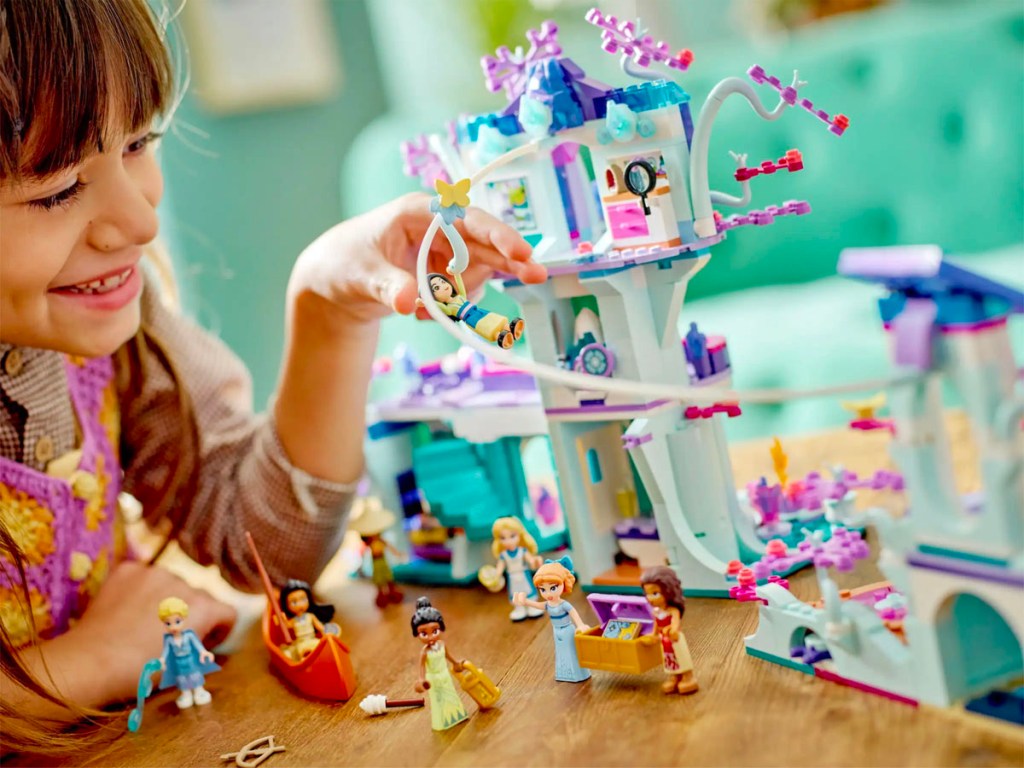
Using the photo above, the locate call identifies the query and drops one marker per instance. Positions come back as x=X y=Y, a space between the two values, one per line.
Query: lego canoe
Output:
x=326 y=673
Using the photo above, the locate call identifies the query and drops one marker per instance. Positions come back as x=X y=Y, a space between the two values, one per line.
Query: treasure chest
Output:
x=625 y=641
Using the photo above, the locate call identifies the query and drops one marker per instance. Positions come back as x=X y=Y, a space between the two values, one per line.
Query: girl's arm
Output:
x=574 y=614
x=500 y=565
x=460 y=286
x=456 y=664
x=393 y=549
x=204 y=655
x=677 y=620
x=288 y=477
x=520 y=598
x=317 y=624
x=243 y=477
x=422 y=684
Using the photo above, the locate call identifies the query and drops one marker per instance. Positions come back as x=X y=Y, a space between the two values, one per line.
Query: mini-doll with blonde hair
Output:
x=554 y=579
x=185 y=661
x=516 y=553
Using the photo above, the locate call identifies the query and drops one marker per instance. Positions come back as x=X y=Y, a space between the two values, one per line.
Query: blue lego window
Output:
x=594 y=467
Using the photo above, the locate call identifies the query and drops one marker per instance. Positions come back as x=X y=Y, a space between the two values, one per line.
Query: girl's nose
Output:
x=127 y=215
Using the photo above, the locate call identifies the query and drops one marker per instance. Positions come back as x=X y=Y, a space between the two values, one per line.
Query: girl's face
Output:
x=175 y=624
x=429 y=633
x=654 y=595
x=441 y=290
x=298 y=603
x=509 y=538
x=70 y=277
x=551 y=591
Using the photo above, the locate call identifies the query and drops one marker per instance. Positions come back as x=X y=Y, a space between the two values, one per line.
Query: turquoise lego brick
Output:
x=644 y=97
x=431 y=573
x=805 y=668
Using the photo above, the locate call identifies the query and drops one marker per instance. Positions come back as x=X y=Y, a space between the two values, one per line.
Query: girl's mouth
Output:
x=100 y=285
x=108 y=293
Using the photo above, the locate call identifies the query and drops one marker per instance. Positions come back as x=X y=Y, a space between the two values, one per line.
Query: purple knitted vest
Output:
x=66 y=527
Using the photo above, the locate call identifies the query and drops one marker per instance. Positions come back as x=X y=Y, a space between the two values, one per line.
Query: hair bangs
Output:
x=76 y=76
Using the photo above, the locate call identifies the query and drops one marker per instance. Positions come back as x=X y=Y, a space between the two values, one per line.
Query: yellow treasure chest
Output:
x=625 y=641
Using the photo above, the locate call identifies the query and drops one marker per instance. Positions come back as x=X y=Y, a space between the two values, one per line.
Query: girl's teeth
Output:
x=102 y=286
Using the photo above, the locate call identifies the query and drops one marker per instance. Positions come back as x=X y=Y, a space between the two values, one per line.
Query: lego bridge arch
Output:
x=980 y=648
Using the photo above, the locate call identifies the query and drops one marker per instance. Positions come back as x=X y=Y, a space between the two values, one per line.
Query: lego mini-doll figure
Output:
x=553 y=580
x=184 y=660
x=305 y=618
x=450 y=294
x=516 y=553
x=446 y=708
x=370 y=520
x=664 y=592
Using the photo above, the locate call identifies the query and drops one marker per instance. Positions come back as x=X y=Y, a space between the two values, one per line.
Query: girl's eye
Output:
x=64 y=198
x=139 y=145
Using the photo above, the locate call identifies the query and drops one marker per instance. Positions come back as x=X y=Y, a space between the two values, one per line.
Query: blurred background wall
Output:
x=934 y=91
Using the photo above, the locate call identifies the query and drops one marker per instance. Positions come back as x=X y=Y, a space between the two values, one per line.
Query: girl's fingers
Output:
x=393 y=287
x=485 y=229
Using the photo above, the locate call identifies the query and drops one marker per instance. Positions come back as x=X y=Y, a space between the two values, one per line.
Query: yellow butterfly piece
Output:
x=453 y=194
x=865 y=409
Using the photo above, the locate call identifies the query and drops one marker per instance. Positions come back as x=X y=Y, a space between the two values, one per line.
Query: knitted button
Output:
x=44 y=449
x=13 y=362
x=84 y=484
x=81 y=564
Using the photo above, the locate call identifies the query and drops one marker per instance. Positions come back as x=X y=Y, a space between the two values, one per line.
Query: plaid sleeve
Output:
x=245 y=480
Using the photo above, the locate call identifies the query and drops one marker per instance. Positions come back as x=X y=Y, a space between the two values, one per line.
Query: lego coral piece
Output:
x=788 y=94
x=622 y=36
x=255 y=752
x=765 y=217
x=745 y=590
x=792 y=161
x=421 y=161
x=510 y=69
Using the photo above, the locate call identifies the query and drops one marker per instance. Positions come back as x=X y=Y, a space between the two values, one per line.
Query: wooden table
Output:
x=748 y=712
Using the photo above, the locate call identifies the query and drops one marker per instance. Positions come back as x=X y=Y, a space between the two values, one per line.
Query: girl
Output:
x=103 y=389
x=664 y=592
x=184 y=660
x=554 y=579
x=305 y=618
x=451 y=298
x=516 y=551
x=446 y=708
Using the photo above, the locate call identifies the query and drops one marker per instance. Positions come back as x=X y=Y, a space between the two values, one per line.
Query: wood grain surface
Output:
x=748 y=712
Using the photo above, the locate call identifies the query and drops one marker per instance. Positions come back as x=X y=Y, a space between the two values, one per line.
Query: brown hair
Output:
x=553 y=572
x=77 y=76
x=668 y=581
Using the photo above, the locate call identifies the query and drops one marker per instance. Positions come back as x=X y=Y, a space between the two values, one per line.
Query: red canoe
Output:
x=326 y=673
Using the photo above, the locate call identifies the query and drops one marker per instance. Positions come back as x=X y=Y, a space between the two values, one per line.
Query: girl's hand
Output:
x=365 y=267
x=120 y=630
x=519 y=599
x=421 y=686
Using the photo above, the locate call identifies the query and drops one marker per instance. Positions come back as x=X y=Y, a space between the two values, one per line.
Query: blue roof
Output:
x=644 y=97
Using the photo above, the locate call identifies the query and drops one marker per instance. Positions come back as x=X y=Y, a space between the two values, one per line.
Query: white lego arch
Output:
x=947 y=671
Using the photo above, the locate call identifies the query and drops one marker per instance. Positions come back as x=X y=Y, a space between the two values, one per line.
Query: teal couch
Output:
x=935 y=96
